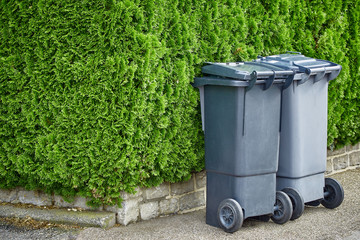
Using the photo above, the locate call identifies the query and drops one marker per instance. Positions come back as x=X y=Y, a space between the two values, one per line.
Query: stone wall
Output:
x=345 y=158
x=145 y=204
x=166 y=199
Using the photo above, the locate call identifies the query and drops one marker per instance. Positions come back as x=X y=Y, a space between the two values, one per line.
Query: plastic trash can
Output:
x=303 y=138
x=240 y=108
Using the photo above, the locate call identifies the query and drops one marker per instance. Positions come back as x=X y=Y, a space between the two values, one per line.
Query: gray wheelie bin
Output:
x=303 y=138
x=240 y=107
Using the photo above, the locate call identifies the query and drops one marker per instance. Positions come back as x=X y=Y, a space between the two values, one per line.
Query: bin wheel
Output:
x=282 y=209
x=333 y=193
x=313 y=203
x=297 y=202
x=230 y=215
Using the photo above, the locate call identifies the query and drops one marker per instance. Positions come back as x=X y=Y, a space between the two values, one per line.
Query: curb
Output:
x=62 y=216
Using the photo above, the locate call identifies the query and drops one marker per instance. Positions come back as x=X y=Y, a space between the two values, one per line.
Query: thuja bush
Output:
x=95 y=96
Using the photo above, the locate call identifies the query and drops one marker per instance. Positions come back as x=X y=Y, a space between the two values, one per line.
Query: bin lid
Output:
x=301 y=64
x=243 y=70
x=282 y=68
x=245 y=74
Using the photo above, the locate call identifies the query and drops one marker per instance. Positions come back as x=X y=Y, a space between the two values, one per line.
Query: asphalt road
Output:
x=316 y=223
x=11 y=232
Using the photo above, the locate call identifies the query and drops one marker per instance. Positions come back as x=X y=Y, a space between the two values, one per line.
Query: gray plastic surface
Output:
x=303 y=130
x=242 y=129
x=255 y=194
x=307 y=66
x=242 y=70
x=303 y=137
x=310 y=187
x=240 y=106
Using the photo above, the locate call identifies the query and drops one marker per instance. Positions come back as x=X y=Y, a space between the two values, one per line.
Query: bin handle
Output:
x=253 y=78
x=334 y=70
x=322 y=71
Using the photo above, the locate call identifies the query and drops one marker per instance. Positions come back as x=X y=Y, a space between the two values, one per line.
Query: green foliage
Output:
x=95 y=95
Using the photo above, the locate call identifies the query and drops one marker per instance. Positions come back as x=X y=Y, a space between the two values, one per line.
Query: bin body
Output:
x=241 y=147
x=242 y=130
x=302 y=160
x=303 y=135
x=242 y=137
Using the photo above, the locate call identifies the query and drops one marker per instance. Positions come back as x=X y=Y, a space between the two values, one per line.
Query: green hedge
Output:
x=95 y=96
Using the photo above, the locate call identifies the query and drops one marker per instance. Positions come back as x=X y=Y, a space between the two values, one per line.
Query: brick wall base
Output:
x=343 y=159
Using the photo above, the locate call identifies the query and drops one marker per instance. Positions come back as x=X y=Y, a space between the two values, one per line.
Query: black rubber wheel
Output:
x=333 y=194
x=230 y=215
x=297 y=202
x=282 y=209
x=313 y=203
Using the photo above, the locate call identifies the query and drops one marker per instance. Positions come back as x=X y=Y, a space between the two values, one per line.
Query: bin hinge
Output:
x=253 y=78
x=334 y=74
x=289 y=80
x=269 y=82
x=320 y=76
x=306 y=73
